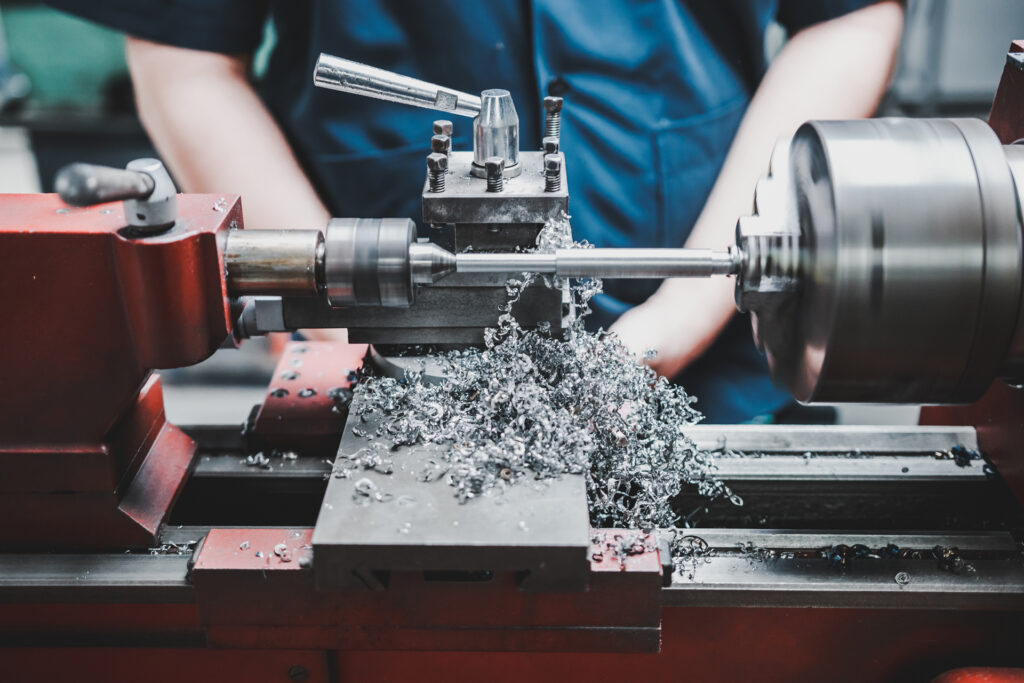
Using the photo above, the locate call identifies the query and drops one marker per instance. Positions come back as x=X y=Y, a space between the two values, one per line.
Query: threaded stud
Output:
x=437 y=169
x=552 y=172
x=552 y=117
x=495 y=167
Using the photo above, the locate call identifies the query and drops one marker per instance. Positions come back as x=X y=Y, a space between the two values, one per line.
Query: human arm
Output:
x=215 y=133
x=837 y=69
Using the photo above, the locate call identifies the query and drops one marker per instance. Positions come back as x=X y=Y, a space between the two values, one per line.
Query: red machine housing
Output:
x=87 y=459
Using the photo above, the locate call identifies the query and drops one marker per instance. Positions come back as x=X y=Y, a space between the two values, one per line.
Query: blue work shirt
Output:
x=654 y=91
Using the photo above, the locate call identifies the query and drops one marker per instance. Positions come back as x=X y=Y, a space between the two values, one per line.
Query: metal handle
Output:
x=345 y=75
x=150 y=200
x=86 y=184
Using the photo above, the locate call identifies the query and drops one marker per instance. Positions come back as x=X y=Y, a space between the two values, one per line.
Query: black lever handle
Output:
x=86 y=184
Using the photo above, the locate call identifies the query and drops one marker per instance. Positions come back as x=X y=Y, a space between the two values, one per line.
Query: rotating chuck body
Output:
x=884 y=262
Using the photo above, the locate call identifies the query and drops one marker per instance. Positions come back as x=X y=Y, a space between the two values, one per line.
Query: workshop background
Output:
x=75 y=104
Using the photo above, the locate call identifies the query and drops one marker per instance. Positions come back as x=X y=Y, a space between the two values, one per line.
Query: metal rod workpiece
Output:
x=345 y=75
x=606 y=263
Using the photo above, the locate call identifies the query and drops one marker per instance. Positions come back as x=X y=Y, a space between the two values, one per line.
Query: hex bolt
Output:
x=495 y=167
x=550 y=145
x=552 y=117
x=437 y=169
x=552 y=172
x=443 y=127
x=442 y=144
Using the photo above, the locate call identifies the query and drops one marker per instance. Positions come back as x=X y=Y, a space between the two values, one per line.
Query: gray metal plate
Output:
x=540 y=532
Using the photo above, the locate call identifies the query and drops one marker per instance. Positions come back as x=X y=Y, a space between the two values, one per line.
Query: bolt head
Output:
x=552 y=105
x=552 y=163
x=495 y=166
x=550 y=145
x=440 y=143
x=298 y=673
x=437 y=162
x=443 y=127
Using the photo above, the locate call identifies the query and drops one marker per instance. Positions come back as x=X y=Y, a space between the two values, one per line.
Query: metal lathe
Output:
x=883 y=262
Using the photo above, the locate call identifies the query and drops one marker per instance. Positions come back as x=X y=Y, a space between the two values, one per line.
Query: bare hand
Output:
x=679 y=322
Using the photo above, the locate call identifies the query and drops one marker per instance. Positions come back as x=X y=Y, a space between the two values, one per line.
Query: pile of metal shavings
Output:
x=530 y=408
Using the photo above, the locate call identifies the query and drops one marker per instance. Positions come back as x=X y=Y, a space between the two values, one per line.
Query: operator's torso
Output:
x=654 y=91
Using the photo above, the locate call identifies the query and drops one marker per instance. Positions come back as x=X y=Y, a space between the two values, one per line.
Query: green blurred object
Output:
x=90 y=57
x=75 y=75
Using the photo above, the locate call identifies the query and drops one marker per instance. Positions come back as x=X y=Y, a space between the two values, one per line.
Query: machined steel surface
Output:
x=793 y=468
x=441 y=315
x=335 y=73
x=779 y=568
x=605 y=263
x=366 y=262
x=739 y=581
x=790 y=567
x=274 y=262
x=541 y=531
x=909 y=269
x=523 y=199
x=976 y=543
x=801 y=468
x=496 y=134
x=839 y=439
x=95 y=577
x=429 y=263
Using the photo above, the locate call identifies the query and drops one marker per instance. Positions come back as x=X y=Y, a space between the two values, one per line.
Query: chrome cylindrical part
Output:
x=643 y=263
x=909 y=267
x=471 y=262
x=366 y=262
x=605 y=263
x=273 y=262
x=496 y=133
x=345 y=75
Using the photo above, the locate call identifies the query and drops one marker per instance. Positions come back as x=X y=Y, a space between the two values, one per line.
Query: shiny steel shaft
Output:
x=606 y=263
x=345 y=75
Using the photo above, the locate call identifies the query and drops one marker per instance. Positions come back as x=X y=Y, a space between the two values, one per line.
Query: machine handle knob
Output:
x=150 y=199
x=345 y=75
x=86 y=184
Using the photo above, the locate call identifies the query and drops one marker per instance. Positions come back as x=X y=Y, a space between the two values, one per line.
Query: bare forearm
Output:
x=835 y=70
x=838 y=69
x=217 y=136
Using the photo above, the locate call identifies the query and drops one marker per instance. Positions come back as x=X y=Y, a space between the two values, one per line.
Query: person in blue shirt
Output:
x=671 y=111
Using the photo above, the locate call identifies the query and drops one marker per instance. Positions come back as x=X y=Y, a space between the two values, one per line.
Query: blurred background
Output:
x=65 y=96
